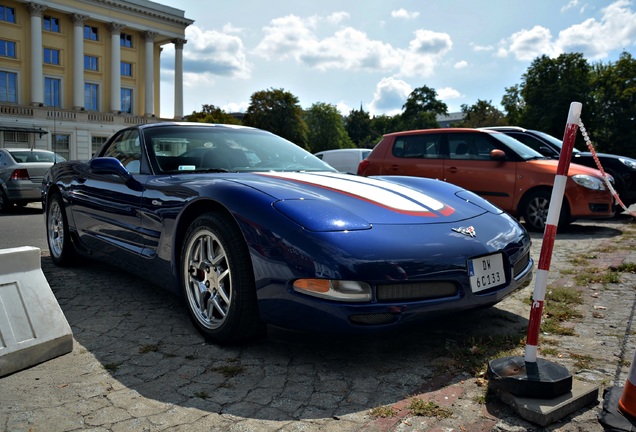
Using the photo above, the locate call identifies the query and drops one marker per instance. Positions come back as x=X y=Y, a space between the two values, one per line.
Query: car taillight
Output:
x=362 y=166
x=20 y=174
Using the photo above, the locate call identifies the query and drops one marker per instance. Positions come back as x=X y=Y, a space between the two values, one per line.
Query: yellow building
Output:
x=73 y=72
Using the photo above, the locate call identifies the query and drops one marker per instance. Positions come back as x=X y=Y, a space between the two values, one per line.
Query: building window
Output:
x=126 y=100
x=96 y=143
x=51 y=24
x=7 y=49
x=51 y=56
x=126 y=69
x=125 y=40
x=90 y=63
x=8 y=87
x=90 y=33
x=91 y=97
x=16 y=137
x=7 y=14
x=52 y=92
x=62 y=145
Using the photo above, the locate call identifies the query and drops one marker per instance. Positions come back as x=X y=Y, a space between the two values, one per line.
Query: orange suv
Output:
x=495 y=166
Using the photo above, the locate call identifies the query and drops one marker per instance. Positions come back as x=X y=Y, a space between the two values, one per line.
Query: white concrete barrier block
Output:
x=33 y=328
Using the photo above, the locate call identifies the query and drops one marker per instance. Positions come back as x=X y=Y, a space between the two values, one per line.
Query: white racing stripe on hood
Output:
x=399 y=198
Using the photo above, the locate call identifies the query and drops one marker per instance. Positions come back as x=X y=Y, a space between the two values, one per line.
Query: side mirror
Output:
x=111 y=165
x=497 y=155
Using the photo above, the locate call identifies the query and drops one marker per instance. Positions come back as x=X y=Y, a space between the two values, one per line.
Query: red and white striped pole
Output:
x=552 y=222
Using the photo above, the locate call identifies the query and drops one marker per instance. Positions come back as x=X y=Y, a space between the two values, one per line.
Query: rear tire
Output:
x=57 y=233
x=218 y=281
x=5 y=204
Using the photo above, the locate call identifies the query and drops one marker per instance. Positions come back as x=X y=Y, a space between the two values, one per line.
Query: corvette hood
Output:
x=329 y=201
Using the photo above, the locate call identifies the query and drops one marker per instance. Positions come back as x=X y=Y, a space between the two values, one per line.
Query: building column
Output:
x=149 y=108
x=78 y=60
x=37 y=54
x=115 y=67
x=178 y=77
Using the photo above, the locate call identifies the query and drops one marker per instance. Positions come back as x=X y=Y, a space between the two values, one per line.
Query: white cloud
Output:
x=616 y=30
x=403 y=13
x=570 y=5
x=595 y=39
x=525 y=45
x=215 y=54
x=350 y=49
x=337 y=17
x=447 y=93
x=389 y=96
x=479 y=48
x=461 y=64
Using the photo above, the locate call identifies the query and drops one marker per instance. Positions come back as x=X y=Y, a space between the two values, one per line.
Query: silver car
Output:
x=21 y=173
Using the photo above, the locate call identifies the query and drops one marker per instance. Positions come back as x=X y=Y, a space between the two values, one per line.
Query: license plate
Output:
x=486 y=272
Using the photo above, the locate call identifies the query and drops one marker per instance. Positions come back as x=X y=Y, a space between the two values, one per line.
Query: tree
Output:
x=358 y=126
x=548 y=88
x=513 y=105
x=613 y=117
x=212 y=114
x=422 y=108
x=481 y=114
x=277 y=111
x=326 y=128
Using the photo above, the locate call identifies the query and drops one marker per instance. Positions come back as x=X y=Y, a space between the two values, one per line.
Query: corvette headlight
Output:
x=589 y=181
x=332 y=289
x=629 y=162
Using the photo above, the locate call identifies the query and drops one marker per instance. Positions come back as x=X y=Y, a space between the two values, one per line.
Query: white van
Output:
x=344 y=160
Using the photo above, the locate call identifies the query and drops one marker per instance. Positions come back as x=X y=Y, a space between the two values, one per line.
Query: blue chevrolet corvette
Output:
x=250 y=229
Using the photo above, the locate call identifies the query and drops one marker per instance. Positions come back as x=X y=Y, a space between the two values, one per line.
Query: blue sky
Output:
x=373 y=53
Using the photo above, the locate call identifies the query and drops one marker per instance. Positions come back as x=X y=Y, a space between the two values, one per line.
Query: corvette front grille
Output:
x=521 y=264
x=416 y=291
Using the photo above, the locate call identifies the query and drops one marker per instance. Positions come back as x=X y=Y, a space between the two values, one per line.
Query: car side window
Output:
x=127 y=149
x=534 y=144
x=426 y=146
x=469 y=146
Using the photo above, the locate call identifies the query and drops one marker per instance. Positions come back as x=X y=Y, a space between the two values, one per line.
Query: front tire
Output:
x=57 y=233
x=218 y=281
x=535 y=210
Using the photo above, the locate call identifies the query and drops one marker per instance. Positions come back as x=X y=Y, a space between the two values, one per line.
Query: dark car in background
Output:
x=495 y=166
x=622 y=168
x=21 y=174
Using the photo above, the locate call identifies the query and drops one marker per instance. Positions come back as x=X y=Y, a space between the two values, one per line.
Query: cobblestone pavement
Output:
x=139 y=365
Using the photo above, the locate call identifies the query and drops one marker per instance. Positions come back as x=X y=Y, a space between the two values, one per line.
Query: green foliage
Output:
x=421 y=109
x=548 y=88
x=279 y=112
x=358 y=126
x=212 y=114
x=483 y=113
x=326 y=128
x=613 y=121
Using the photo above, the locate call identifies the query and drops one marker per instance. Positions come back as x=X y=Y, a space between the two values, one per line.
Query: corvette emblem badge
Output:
x=470 y=231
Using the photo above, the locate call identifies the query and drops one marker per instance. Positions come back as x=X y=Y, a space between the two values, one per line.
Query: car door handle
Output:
x=453 y=169
x=395 y=167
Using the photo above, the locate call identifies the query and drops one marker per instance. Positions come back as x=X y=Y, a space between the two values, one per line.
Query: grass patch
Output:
x=582 y=361
x=472 y=354
x=228 y=371
x=559 y=307
x=149 y=348
x=383 y=412
x=201 y=394
x=112 y=367
x=596 y=275
x=624 y=268
x=419 y=407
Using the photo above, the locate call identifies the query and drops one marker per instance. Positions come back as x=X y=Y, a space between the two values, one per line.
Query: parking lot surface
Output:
x=139 y=365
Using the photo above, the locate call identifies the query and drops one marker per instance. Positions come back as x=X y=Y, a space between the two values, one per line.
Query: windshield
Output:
x=553 y=140
x=518 y=147
x=226 y=149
